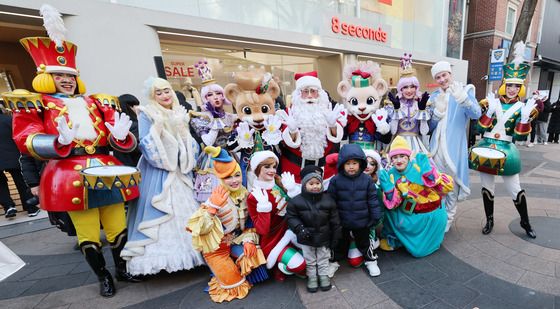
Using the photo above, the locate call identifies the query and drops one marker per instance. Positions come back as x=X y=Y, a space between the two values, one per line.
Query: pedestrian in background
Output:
x=554 y=124
x=9 y=162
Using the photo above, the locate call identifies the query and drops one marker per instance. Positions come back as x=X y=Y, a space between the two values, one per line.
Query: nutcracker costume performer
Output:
x=454 y=106
x=223 y=231
x=413 y=194
x=267 y=207
x=311 y=128
x=362 y=90
x=72 y=132
x=213 y=127
x=156 y=237
x=409 y=112
x=505 y=120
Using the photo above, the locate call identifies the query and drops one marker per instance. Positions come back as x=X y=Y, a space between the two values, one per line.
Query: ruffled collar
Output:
x=267 y=185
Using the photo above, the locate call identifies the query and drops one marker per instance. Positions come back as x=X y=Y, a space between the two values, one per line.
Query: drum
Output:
x=487 y=160
x=108 y=177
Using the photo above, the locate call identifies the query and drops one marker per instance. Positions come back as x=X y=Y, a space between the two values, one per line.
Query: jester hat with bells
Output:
x=225 y=166
x=53 y=54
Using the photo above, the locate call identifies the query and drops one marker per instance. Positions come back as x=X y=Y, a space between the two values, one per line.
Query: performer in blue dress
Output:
x=156 y=235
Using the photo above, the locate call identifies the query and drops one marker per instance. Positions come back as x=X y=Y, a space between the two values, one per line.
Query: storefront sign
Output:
x=178 y=69
x=358 y=31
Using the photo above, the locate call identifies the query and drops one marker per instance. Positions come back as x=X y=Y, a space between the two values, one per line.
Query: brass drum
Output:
x=487 y=160
x=110 y=177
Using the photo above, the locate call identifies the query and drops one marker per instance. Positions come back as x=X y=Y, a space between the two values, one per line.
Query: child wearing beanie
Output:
x=313 y=217
x=413 y=194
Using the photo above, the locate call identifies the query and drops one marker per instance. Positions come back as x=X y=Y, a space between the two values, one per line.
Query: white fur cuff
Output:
x=339 y=134
x=264 y=207
x=286 y=136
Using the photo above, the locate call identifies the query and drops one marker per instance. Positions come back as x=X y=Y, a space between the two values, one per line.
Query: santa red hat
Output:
x=260 y=156
x=307 y=79
x=330 y=165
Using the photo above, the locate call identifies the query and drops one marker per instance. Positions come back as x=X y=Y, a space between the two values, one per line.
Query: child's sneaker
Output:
x=333 y=267
x=325 y=283
x=312 y=284
x=373 y=269
x=384 y=245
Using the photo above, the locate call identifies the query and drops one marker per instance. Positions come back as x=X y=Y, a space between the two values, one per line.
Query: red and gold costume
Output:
x=37 y=127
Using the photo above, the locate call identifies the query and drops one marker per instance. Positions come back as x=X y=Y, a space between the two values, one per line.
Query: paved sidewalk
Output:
x=500 y=270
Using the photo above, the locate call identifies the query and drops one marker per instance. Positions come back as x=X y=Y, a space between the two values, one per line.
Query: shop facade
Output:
x=121 y=43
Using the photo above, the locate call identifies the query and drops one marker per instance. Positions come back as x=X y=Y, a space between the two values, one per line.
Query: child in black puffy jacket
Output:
x=312 y=216
x=359 y=209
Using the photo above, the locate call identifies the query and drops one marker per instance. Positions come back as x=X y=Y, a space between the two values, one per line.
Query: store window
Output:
x=179 y=63
x=510 y=19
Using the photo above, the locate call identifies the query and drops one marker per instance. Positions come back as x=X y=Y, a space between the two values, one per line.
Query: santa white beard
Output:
x=312 y=124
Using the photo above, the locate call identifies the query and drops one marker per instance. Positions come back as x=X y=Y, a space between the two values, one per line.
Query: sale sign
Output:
x=178 y=69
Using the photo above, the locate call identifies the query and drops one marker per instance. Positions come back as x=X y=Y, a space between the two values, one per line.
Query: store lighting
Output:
x=20 y=15
x=246 y=42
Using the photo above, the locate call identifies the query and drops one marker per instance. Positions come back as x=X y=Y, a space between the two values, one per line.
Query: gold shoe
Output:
x=384 y=245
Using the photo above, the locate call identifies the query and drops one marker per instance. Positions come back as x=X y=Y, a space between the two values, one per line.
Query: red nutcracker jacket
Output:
x=35 y=133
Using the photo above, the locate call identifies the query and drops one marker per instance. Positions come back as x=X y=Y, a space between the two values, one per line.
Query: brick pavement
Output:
x=500 y=270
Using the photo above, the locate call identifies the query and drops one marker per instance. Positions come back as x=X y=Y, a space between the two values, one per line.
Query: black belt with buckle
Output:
x=89 y=150
x=299 y=160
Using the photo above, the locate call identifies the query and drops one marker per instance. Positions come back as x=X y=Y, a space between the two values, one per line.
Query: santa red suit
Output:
x=311 y=129
x=267 y=207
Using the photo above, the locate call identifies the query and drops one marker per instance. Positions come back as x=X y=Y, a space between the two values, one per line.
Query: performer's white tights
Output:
x=511 y=183
x=451 y=205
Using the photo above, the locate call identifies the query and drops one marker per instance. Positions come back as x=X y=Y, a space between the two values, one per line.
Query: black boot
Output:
x=521 y=205
x=120 y=265
x=488 y=200
x=96 y=261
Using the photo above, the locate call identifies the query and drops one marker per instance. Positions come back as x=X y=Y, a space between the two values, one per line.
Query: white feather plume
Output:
x=52 y=21
x=518 y=53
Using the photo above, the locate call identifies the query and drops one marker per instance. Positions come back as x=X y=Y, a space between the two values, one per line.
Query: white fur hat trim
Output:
x=440 y=66
x=260 y=156
x=308 y=81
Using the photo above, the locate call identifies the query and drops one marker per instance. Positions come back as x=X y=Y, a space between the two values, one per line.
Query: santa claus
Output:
x=311 y=128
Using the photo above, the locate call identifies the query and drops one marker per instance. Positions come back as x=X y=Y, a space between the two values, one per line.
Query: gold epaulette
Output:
x=107 y=100
x=483 y=105
x=21 y=99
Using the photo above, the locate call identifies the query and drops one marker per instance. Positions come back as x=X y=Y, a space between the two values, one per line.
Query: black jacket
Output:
x=355 y=196
x=130 y=158
x=543 y=115
x=9 y=154
x=31 y=169
x=316 y=212
x=554 y=124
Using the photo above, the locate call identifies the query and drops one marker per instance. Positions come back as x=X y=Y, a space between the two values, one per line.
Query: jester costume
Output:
x=223 y=231
x=414 y=198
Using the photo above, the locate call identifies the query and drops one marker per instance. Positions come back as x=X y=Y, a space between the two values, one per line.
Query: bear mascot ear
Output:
x=343 y=88
x=381 y=86
x=273 y=90
x=231 y=91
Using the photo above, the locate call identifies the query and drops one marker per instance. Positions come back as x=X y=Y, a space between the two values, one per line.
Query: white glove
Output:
x=333 y=115
x=289 y=182
x=527 y=109
x=122 y=126
x=380 y=120
x=245 y=136
x=263 y=204
x=288 y=119
x=210 y=137
x=65 y=134
x=272 y=134
x=458 y=92
x=441 y=103
x=493 y=104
